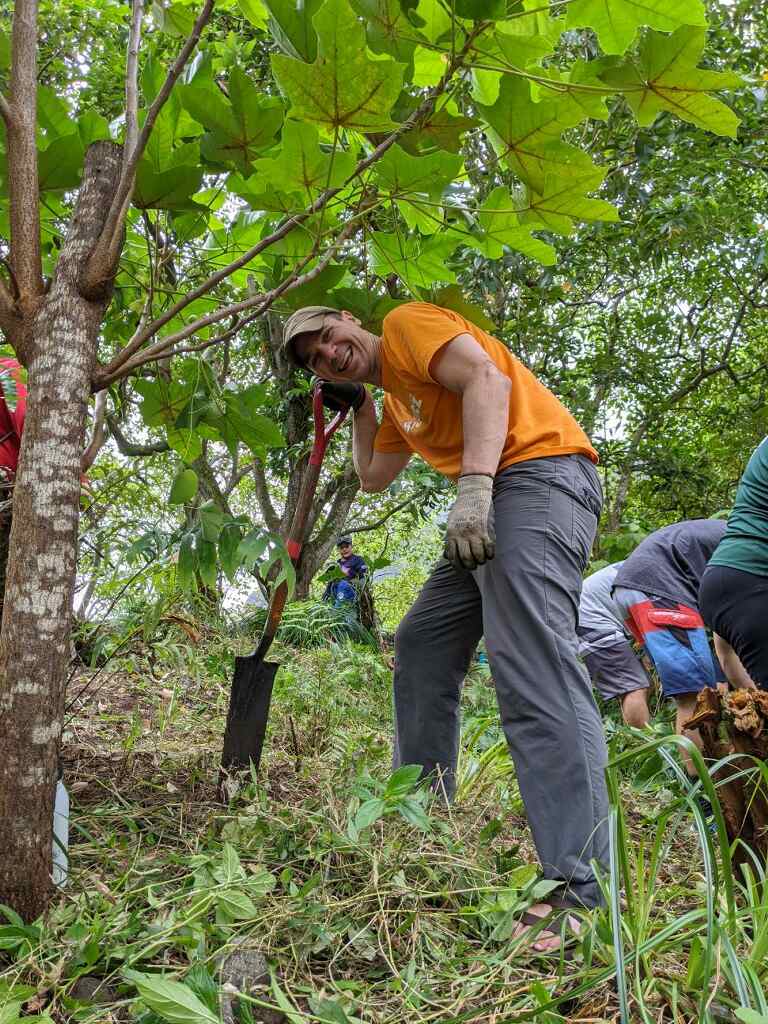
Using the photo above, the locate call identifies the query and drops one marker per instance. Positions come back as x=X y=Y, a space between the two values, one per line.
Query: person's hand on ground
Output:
x=470 y=539
x=341 y=394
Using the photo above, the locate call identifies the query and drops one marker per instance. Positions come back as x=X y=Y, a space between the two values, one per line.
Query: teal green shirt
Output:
x=745 y=544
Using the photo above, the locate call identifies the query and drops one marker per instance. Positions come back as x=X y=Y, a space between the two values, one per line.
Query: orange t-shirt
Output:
x=422 y=416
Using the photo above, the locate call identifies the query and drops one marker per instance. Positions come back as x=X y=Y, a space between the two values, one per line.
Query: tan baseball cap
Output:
x=304 y=321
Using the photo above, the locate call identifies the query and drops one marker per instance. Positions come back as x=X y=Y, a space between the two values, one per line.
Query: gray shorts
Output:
x=614 y=669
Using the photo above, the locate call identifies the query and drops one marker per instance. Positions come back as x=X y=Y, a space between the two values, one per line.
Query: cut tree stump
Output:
x=736 y=722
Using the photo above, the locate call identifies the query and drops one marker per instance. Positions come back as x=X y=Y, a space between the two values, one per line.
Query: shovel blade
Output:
x=248 y=712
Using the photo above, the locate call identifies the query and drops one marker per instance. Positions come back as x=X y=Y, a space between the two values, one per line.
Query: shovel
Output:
x=253 y=680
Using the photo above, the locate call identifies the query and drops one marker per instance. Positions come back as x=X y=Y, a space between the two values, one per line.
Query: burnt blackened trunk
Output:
x=37 y=613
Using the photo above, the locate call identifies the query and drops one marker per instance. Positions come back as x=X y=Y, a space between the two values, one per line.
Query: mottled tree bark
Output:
x=5 y=536
x=37 y=614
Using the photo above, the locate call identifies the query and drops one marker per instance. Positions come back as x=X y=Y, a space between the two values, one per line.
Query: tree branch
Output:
x=126 y=447
x=23 y=182
x=8 y=314
x=422 y=111
x=98 y=434
x=163 y=348
x=271 y=518
x=5 y=111
x=388 y=515
x=102 y=262
x=132 y=79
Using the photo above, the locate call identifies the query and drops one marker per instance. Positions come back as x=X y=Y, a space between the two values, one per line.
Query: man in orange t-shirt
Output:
x=518 y=539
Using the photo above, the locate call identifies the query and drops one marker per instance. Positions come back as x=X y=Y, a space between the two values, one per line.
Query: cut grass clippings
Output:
x=370 y=901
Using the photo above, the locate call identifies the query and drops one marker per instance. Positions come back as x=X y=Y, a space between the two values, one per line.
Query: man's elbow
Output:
x=489 y=380
x=372 y=485
x=499 y=379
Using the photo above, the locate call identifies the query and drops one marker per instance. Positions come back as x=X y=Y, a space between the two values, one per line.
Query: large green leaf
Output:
x=162 y=401
x=292 y=28
x=527 y=134
x=501 y=227
x=434 y=22
x=243 y=422
x=54 y=115
x=452 y=297
x=527 y=37
x=367 y=306
x=476 y=9
x=302 y=165
x=443 y=129
x=254 y=11
x=314 y=292
x=665 y=77
x=175 y=19
x=186 y=442
x=418 y=262
x=257 y=121
x=387 y=28
x=561 y=203
x=402 y=174
x=61 y=164
x=416 y=184
x=166 y=190
x=581 y=82
x=617 y=21
x=344 y=88
x=240 y=125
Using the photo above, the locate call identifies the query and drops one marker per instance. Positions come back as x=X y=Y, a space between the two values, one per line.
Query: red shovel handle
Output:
x=296 y=534
x=323 y=435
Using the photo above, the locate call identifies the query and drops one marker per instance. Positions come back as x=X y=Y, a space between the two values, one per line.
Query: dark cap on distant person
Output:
x=342 y=541
x=306 y=320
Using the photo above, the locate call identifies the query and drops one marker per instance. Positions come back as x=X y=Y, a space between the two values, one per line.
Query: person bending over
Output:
x=518 y=538
x=606 y=649
x=657 y=592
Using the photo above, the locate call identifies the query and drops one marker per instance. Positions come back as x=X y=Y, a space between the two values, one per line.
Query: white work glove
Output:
x=470 y=539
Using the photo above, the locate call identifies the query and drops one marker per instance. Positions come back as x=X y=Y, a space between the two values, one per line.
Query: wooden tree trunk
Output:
x=6 y=494
x=737 y=723
x=368 y=618
x=37 y=613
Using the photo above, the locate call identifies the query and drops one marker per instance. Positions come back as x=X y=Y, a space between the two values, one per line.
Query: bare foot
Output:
x=546 y=941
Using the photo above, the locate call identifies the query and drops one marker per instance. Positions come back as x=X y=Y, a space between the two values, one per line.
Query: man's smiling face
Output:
x=341 y=350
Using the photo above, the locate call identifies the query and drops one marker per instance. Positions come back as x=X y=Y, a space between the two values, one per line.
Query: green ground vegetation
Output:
x=370 y=901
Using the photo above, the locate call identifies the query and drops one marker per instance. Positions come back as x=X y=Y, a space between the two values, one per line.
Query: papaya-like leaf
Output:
x=419 y=262
x=616 y=21
x=665 y=76
x=343 y=88
x=560 y=204
x=501 y=227
x=387 y=28
x=291 y=26
x=302 y=165
x=527 y=135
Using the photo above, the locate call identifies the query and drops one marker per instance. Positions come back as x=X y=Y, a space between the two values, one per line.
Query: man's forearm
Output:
x=485 y=416
x=364 y=427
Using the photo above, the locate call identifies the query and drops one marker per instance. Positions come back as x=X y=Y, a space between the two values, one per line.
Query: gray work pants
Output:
x=525 y=601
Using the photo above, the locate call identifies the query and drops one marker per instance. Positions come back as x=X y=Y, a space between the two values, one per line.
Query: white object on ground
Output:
x=60 y=835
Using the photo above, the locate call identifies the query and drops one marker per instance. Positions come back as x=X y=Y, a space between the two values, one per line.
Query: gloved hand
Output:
x=470 y=539
x=342 y=394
